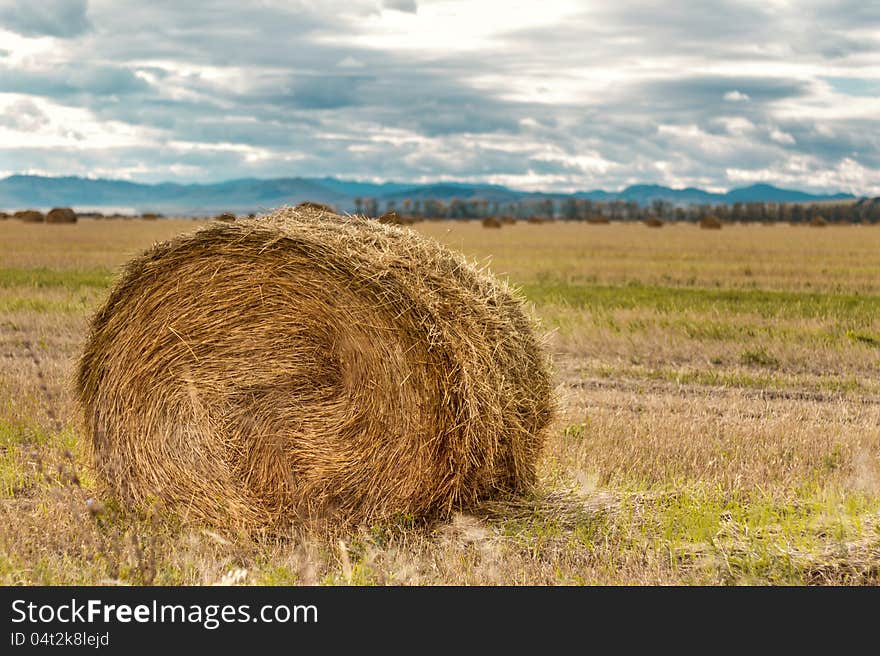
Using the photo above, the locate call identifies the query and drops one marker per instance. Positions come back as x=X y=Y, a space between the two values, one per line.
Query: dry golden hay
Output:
x=304 y=366
x=818 y=222
x=492 y=222
x=710 y=223
x=30 y=216
x=653 y=222
x=227 y=217
x=61 y=215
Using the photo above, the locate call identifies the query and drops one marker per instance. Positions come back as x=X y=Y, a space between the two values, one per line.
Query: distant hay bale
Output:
x=61 y=215
x=30 y=216
x=321 y=207
x=393 y=218
x=710 y=223
x=3 y=216
x=818 y=222
x=653 y=222
x=536 y=219
x=312 y=367
x=227 y=217
x=149 y=216
x=508 y=220
x=598 y=219
x=492 y=222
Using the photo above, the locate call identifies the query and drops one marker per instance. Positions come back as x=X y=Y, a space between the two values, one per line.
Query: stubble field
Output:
x=719 y=419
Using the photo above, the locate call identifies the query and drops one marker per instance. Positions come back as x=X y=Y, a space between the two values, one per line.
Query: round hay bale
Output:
x=710 y=223
x=61 y=215
x=492 y=222
x=536 y=219
x=313 y=367
x=321 y=207
x=818 y=222
x=30 y=216
x=227 y=217
x=148 y=216
x=393 y=218
x=653 y=222
x=598 y=219
x=3 y=216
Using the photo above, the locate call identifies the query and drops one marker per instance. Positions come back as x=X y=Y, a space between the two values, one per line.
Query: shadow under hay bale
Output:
x=492 y=222
x=61 y=215
x=30 y=216
x=311 y=367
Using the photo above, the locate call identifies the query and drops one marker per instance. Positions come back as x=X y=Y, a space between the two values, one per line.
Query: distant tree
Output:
x=371 y=207
x=737 y=212
x=570 y=209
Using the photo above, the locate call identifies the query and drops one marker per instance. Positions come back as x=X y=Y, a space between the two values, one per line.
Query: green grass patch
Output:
x=711 y=536
x=45 y=278
x=854 y=310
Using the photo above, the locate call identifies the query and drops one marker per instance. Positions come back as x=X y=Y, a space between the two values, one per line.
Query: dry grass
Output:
x=719 y=420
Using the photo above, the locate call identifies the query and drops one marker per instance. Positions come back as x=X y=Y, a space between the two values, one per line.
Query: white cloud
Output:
x=350 y=62
x=736 y=96
x=782 y=137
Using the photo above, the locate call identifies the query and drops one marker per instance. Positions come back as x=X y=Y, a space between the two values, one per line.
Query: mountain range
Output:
x=250 y=194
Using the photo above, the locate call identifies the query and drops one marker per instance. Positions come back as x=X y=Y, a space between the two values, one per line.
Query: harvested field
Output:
x=719 y=419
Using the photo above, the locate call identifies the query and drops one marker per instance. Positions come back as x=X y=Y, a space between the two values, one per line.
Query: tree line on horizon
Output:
x=582 y=209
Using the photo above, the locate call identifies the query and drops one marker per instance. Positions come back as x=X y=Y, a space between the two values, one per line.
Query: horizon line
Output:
x=437 y=182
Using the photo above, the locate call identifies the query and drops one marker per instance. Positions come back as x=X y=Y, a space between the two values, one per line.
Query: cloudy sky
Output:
x=549 y=94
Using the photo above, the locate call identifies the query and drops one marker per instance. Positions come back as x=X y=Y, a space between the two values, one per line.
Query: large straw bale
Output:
x=309 y=366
